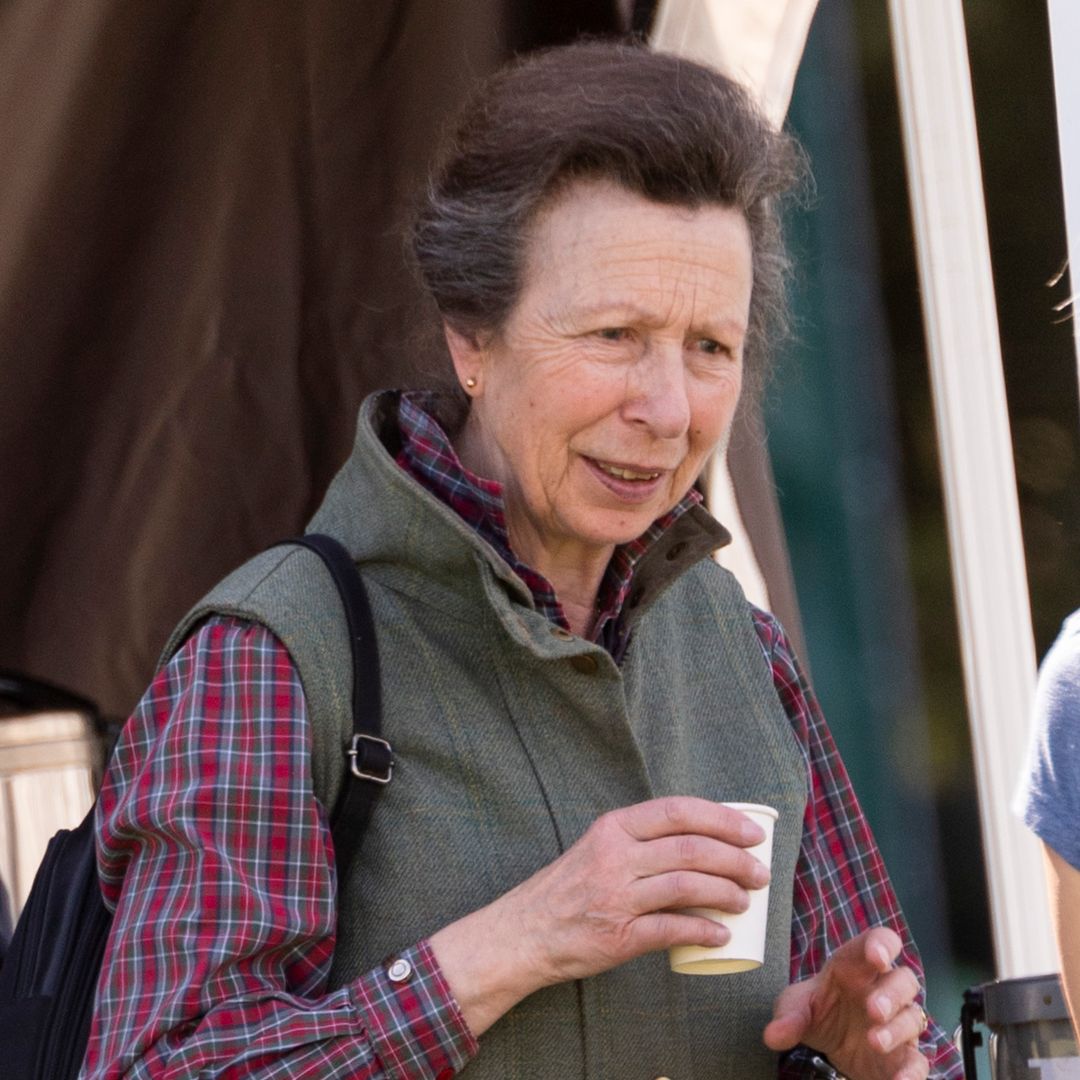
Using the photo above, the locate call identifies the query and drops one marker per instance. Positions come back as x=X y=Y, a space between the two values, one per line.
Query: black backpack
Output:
x=51 y=968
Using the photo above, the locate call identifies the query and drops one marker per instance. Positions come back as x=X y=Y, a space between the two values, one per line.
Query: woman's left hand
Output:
x=859 y=1011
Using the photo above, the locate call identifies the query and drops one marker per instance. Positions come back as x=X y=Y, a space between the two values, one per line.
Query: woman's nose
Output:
x=658 y=395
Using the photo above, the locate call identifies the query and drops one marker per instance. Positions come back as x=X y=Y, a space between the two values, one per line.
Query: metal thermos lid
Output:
x=1023 y=1001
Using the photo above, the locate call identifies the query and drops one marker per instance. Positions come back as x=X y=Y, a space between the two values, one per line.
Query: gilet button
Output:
x=585 y=663
x=561 y=633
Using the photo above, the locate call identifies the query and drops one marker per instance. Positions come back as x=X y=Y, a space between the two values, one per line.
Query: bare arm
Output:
x=1064 y=882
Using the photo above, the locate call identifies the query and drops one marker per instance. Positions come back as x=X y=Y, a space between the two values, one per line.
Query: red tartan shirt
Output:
x=218 y=859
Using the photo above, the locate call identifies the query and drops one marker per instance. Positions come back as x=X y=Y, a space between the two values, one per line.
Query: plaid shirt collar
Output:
x=428 y=456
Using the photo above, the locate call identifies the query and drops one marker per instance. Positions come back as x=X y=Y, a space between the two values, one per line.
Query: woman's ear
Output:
x=468 y=355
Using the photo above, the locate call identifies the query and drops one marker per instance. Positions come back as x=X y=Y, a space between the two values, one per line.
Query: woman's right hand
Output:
x=611 y=897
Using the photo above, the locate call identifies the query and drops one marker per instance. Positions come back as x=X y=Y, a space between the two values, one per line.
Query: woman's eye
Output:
x=710 y=347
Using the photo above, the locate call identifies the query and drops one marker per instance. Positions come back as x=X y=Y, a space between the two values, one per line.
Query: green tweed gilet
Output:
x=512 y=736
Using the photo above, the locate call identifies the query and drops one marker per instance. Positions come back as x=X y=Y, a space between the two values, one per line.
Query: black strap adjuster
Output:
x=371 y=758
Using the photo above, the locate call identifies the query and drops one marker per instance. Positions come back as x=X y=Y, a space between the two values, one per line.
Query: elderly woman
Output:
x=572 y=686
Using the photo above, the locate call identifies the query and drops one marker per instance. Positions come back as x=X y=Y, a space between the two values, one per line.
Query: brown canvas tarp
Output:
x=200 y=278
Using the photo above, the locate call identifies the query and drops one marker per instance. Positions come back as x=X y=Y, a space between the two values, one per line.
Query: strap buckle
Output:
x=383 y=759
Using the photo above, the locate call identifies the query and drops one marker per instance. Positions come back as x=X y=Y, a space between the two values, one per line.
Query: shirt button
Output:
x=585 y=663
x=561 y=633
x=399 y=971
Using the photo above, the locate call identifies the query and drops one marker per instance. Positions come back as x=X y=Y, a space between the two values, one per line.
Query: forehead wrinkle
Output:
x=673 y=300
x=672 y=271
x=663 y=271
x=547 y=246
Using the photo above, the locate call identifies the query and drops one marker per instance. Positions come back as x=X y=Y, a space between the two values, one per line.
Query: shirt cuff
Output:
x=415 y=1025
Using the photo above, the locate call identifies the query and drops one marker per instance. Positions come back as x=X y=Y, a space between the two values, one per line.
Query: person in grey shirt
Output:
x=1048 y=799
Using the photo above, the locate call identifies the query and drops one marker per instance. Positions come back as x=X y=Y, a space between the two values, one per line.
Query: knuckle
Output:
x=680 y=885
x=606 y=827
x=666 y=925
x=666 y=930
x=622 y=940
x=687 y=850
x=676 y=812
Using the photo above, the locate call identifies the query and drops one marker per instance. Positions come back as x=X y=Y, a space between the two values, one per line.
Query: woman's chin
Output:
x=610 y=529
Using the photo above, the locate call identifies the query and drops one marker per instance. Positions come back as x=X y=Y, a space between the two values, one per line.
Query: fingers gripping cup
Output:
x=746 y=948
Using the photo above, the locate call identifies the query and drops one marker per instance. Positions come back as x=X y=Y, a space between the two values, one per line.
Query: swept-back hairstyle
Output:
x=669 y=129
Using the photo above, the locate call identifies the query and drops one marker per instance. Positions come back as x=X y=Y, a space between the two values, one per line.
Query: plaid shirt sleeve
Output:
x=217 y=859
x=841 y=885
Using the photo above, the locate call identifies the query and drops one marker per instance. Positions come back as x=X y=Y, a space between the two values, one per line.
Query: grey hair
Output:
x=663 y=127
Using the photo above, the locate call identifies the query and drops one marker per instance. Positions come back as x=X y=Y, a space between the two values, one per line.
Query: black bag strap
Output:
x=370 y=758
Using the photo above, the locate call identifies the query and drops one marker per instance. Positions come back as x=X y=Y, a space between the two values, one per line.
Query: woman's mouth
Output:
x=620 y=472
x=628 y=483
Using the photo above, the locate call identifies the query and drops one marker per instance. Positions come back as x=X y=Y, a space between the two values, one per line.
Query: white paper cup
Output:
x=746 y=948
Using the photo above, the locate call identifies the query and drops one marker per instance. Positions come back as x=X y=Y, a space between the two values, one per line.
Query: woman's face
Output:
x=617 y=373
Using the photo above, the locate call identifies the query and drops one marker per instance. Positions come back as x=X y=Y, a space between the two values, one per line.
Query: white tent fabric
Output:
x=944 y=175
x=757 y=42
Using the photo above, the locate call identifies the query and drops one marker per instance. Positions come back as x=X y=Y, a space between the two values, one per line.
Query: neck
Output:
x=580 y=618
x=575 y=569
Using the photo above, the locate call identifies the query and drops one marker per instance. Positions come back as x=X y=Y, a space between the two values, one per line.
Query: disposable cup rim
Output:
x=761 y=808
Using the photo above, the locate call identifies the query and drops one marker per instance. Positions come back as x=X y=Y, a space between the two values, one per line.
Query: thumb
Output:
x=791 y=1018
